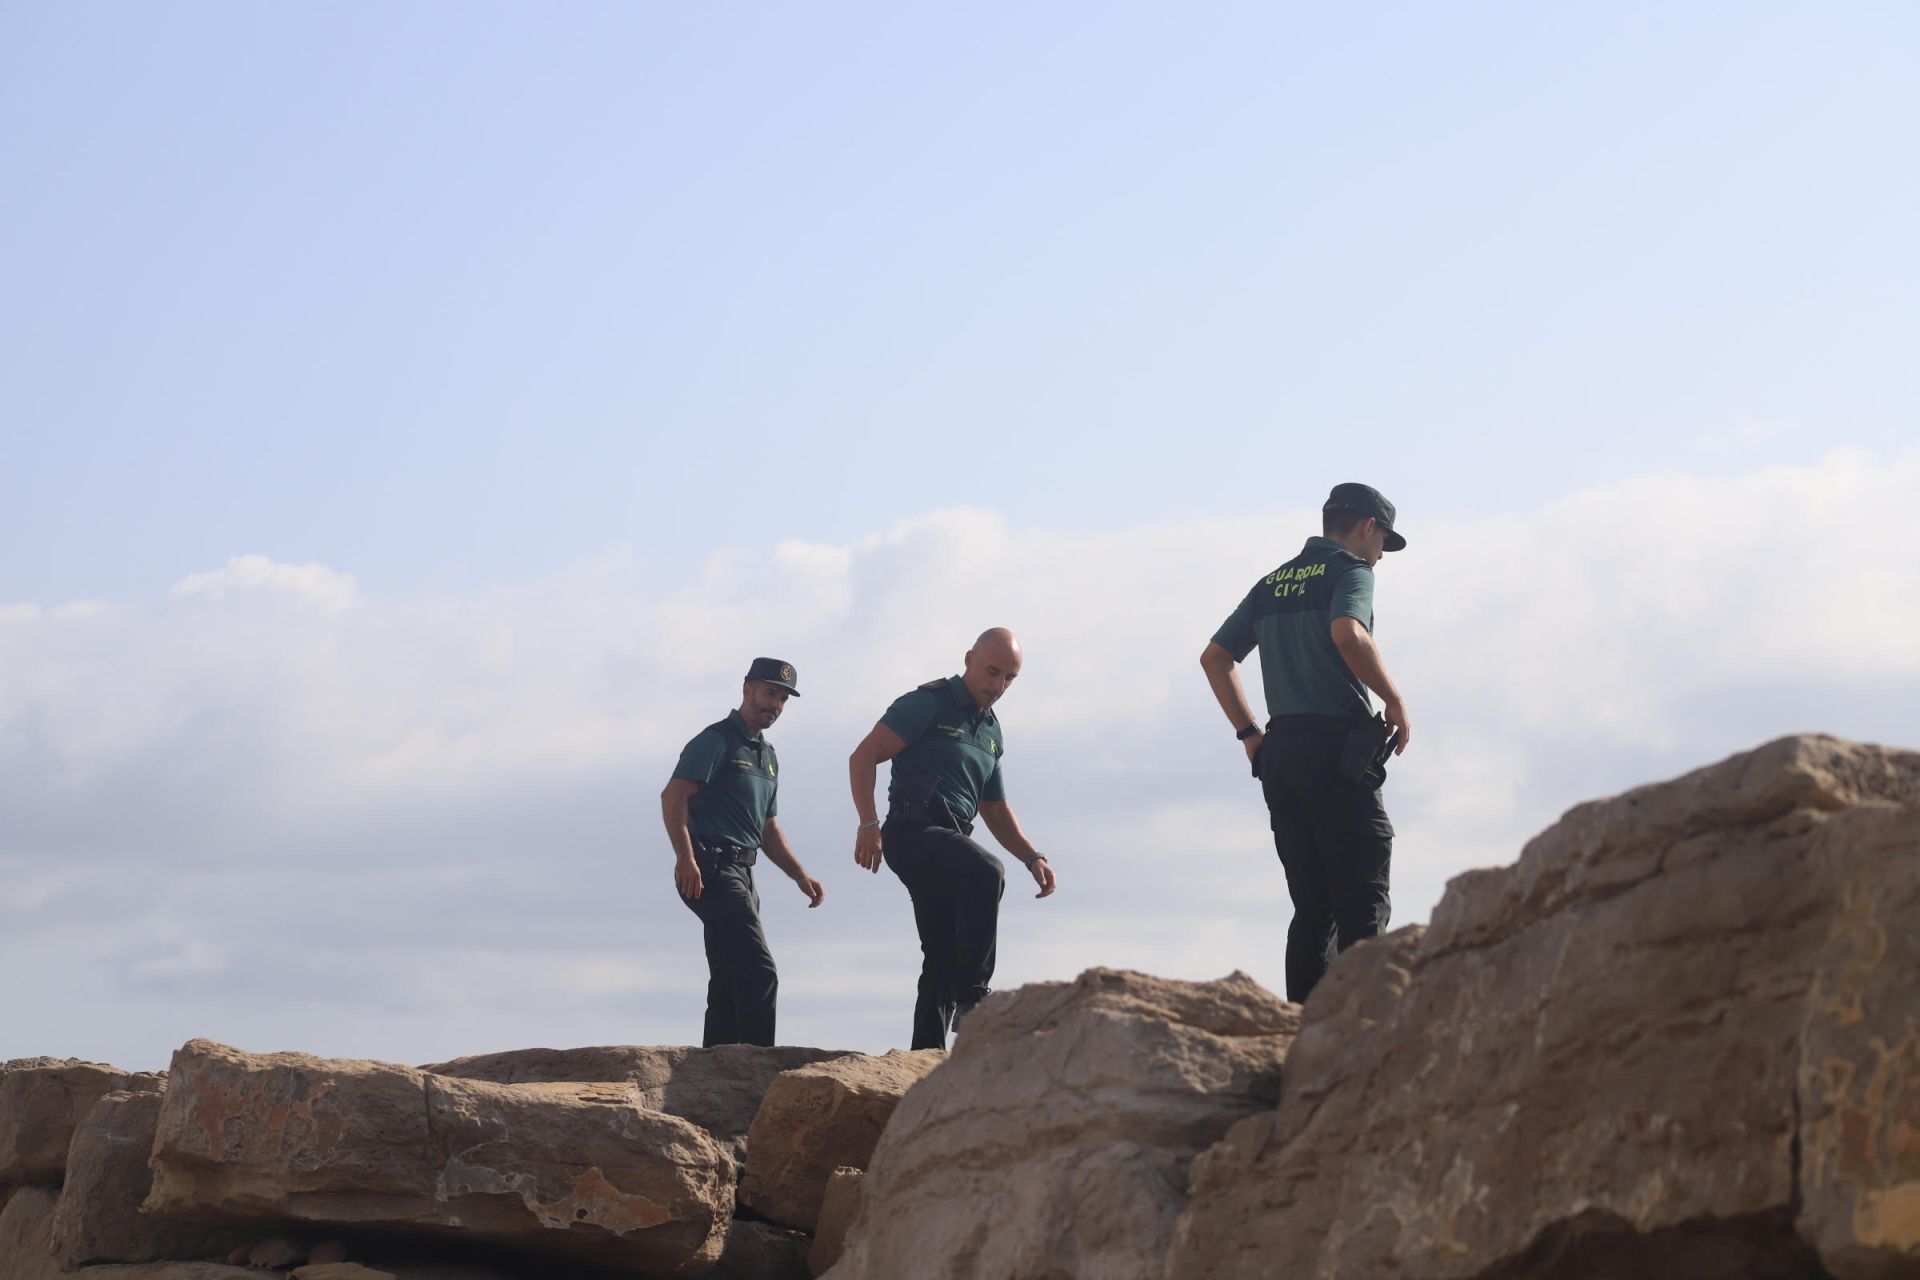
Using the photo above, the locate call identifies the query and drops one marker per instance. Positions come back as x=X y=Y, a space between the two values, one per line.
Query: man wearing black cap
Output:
x=720 y=807
x=1322 y=759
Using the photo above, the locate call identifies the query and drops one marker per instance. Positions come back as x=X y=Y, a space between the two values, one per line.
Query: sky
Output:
x=413 y=419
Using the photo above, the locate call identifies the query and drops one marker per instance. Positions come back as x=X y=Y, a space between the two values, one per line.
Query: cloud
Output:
x=272 y=808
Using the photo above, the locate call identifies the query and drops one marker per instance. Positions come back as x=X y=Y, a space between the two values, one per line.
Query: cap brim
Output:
x=1395 y=542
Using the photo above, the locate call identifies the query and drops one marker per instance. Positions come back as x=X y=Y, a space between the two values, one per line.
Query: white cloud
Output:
x=423 y=826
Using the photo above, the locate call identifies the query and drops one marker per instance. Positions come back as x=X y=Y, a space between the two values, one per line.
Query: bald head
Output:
x=991 y=665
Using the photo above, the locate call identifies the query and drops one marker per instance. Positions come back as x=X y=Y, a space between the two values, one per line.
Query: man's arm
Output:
x=774 y=841
x=863 y=769
x=673 y=811
x=998 y=815
x=1362 y=656
x=1223 y=676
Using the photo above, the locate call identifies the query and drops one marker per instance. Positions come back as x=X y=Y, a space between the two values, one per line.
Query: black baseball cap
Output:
x=1366 y=499
x=774 y=672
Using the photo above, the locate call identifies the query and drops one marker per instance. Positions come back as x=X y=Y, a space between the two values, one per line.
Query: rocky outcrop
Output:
x=42 y=1100
x=107 y=1180
x=717 y=1088
x=761 y=1251
x=1056 y=1139
x=573 y=1170
x=819 y=1118
x=1680 y=1037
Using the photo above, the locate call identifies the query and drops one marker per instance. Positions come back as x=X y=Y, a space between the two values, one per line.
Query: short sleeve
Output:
x=911 y=715
x=700 y=757
x=996 y=787
x=1353 y=596
x=773 y=796
x=1236 y=633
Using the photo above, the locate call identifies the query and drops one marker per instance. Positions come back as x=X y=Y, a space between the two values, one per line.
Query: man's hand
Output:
x=810 y=887
x=866 y=848
x=1252 y=744
x=1042 y=874
x=1395 y=714
x=686 y=877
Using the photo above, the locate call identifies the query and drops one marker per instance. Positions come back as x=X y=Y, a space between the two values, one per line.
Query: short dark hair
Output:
x=1338 y=522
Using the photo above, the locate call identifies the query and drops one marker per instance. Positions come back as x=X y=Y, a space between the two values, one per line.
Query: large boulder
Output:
x=761 y=1251
x=819 y=1118
x=1680 y=1037
x=718 y=1088
x=99 y=1218
x=583 y=1171
x=1056 y=1139
x=839 y=1206
x=41 y=1102
x=26 y=1249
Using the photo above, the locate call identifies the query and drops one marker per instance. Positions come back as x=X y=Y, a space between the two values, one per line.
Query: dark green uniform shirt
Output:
x=1289 y=614
x=738 y=776
x=953 y=750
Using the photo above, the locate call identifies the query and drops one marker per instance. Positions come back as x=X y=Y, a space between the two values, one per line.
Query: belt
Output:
x=724 y=853
x=941 y=816
x=1305 y=721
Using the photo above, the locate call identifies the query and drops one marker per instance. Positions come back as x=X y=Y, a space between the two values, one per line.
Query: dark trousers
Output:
x=1334 y=841
x=742 y=983
x=955 y=886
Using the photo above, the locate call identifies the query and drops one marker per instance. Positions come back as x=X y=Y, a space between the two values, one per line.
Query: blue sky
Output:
x=415 y=416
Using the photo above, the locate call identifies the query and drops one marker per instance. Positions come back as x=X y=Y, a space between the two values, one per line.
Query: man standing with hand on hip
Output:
x=720 y=807
x=1322 y=759
x=945 y=744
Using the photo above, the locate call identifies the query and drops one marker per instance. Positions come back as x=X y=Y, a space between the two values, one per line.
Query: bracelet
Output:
x=863 y=826
x=1037 y=856
x=1247 y=732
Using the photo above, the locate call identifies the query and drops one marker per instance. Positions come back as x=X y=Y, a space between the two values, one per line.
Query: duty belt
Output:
x=725 y=854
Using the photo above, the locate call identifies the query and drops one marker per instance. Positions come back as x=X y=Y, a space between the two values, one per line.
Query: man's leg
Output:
x=975 y=881
x=744 y=977
x=1286 y=779
x=905 y=850
x=1361 y=840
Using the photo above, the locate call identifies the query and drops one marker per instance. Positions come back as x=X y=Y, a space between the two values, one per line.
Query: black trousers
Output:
x=742 y=984
x=955 y=886
x=1334 y=840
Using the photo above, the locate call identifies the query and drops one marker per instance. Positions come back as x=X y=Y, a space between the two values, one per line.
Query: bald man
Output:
x=945 y=744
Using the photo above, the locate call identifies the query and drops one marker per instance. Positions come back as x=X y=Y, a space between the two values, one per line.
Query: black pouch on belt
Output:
x=1363 y=756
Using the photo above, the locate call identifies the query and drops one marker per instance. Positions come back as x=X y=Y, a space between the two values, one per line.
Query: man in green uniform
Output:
x=1322 y=759
x=945 y=744
x=720 y=806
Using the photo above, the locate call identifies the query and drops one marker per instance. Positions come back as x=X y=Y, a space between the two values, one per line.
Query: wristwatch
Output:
x=1247 y=732
x=1037 y=855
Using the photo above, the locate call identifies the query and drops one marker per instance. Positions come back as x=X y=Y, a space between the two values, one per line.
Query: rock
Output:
x=817 y=1118
x=26 y=1249
x=838 y=1207
x=276 y=1252
x=718 y=1089
x=1681 y=1037
x=41 y=1102
x=98 y=1216
x=761 y=1251
x=340 y=1271
x=582 y=1171
x=1056 y=1138
x=327 y=1251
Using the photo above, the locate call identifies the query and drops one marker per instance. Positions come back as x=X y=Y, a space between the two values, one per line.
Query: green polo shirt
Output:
x=1289 y=615
x=953 y=749
x=738 y=776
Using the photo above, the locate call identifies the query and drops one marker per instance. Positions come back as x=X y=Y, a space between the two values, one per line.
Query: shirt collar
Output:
x=957 y=689
x=738 y=723
x=1317 y=545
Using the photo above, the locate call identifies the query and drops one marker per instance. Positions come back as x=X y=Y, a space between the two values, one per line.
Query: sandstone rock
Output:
x=576 y=1170
x=1681 y=1037
x=761 y=1251
x=276 y=1252
x=98 y=1217
x=718 y=1089
x=818 y=1118
x=838 y=1207
x=340 y=1271
x=327 y=1251
x=1056 y=1138
x=26 y=1249
x=41 y=1101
